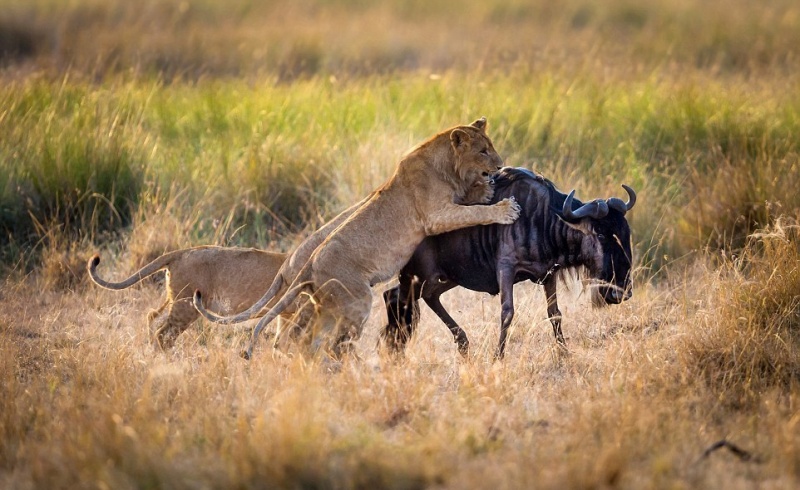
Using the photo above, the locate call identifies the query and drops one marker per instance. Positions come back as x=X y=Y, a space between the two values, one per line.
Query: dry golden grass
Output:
x=646 y=388
x=749 y=343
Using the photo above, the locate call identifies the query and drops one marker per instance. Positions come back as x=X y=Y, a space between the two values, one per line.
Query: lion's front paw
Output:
x=509 y=210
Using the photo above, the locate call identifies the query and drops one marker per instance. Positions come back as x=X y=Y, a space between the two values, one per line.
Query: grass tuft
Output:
x=751 y=342
x=68 y=160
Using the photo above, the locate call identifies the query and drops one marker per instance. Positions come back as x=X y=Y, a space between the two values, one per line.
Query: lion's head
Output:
x=475 y=161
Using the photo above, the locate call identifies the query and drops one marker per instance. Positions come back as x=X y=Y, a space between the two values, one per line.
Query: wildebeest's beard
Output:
x=592 y=286
x=568 y=277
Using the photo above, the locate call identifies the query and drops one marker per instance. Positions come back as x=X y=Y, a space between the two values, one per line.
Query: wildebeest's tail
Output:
x=247 y=314
x=148 y=270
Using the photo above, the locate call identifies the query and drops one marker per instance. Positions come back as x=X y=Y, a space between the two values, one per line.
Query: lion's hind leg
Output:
x=297 y=324
x=181 y=314
x=344 y=311
x=153 y=314
x=154 y=317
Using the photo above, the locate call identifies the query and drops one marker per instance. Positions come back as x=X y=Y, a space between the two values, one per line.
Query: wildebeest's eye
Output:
x=601 y=237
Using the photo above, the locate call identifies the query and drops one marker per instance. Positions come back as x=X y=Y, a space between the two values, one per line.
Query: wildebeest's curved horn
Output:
x=619 y=205
x=596 y=209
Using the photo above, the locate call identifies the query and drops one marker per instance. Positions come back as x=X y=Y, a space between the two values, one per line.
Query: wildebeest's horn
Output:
x=596 y=209
x=619 y=205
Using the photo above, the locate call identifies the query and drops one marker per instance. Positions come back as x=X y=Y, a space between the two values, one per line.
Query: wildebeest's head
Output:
x=608 y=242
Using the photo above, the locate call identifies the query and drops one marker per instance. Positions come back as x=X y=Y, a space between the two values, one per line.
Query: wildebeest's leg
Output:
x=391 y=299
x=458 y=333
x=505 y=278
x=553 y=313
x=402 y=309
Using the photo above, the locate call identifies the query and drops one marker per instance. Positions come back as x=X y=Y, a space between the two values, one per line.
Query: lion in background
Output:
x=377 y=238
x=232 y=278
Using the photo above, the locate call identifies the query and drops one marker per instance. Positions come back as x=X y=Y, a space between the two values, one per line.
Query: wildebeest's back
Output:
x=467 y=257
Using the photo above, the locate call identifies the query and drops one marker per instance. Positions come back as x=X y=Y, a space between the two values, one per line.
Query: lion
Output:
x=232 y=279
x=480 y=191
x=372 y=243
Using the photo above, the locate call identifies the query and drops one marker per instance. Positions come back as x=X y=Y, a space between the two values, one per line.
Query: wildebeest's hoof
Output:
x=463 y=347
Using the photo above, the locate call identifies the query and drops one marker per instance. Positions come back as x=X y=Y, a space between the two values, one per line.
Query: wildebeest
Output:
x=555 y=233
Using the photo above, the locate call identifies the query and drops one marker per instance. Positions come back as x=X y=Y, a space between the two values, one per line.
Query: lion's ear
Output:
x=479 y=124
x=459 y=137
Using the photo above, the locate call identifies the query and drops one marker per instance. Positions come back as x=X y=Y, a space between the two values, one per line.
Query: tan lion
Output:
x=231 y=278
x=379 y=236
x=480 y=191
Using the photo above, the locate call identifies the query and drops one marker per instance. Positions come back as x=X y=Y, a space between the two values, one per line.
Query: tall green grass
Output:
x=712 y=161
x=69 y=160
x=108 y=103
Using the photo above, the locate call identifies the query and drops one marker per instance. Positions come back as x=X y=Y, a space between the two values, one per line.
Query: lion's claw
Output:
x=511 y=212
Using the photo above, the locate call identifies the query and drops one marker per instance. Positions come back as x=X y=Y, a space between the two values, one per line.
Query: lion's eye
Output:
x=485 y=151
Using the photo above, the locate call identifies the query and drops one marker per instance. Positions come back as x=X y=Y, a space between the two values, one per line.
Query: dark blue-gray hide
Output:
x=553 y=234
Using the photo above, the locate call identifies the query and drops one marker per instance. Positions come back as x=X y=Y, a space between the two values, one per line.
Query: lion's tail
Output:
x=247 y=314
x=148 y=270
x=300 y=282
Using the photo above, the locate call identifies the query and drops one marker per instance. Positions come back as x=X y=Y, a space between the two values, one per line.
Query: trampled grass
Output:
x=142 y=127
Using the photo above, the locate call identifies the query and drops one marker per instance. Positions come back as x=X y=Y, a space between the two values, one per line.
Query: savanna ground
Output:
x=132 y=128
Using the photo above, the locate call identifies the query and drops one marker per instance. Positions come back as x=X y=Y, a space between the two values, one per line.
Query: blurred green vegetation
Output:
x=187 y=39
x=271 y=116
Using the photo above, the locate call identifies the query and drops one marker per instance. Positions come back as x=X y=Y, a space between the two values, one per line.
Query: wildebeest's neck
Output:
x=541 y=235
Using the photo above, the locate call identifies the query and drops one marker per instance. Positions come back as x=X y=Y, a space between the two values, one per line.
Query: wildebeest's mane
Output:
x=506 y=176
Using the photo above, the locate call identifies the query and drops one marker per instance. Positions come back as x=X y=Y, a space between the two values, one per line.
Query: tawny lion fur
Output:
x=379 y=236
x=480 y=191
x=291 y=268
x=231 y=278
